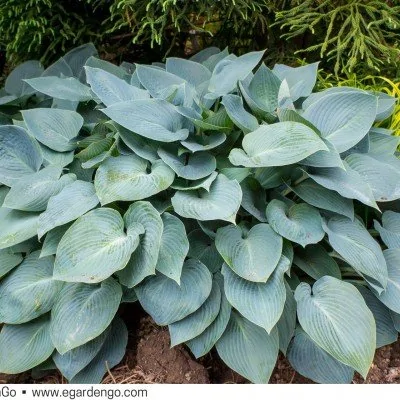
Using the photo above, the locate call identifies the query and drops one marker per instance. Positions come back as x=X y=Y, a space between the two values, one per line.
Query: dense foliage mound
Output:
x=239 y=208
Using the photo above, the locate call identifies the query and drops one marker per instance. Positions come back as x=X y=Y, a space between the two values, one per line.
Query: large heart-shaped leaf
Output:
x=32 y=192
x=29 y=290
x=337 y=319
x=82 y=312
x=279 y=144
x=252 y=255
x=343 y=118
x=144 y=260
x=390 y=231
x=300 y=223
x=23 y=347
x=319 y=196
x=8 y=260
x=221 y=202
x=261 y=303
x=196 y=323
x=354 y=243
x=56 y=129
x=15 y=83
x=168 y=302
x=190 y=166
x=314 y=363
x=249 y=349
x=110 y=354
x=111 y=89
x=174 y=247
x=95 y=247
x=203 y=343
x=16 y=226
x=346 y=182
x=72 y=202
x=20 y=154
x=125 y=178
x=315 y=261
x=61 y=88
x=152 y=118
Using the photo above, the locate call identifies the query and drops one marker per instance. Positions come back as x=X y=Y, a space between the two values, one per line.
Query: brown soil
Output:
x=149 y=359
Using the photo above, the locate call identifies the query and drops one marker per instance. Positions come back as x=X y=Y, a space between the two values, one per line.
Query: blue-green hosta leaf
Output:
x=204 y=54
x=82 y=312
x=75 y=360
x=16 y=226
x=20 y=154
x=248 y=349
x=125 y=178
x=167 y=302
x=52 y=240
x=29 y=290
x=214 y=59
x=315 y=261
x=239 y=174
x=252 y=201
x=72 y=202
x=32 y=192
x=141 y=146
x=203 y=343
x=279 y=144
x=221 y=202
x=61 y=88
x=390 y=231
x=213 y=121
x=347 y=182
x=95 y=247
x=144 y=260
x=204 y=183
x=381 y=141
x=196 y=323
x=311 y=361
x=253 y=255
x=261 y=303
x=15 y=83
x=110 y=355
x=261 y=94
x=380 y=172
x=287 y=322
x=386 y=333
x=111 y=89
x=386 y=104
x=174 y=247
x=23 y=347
x=189 y=70
x=8 y=261
x=202 y=248
x=77 y=58
x=156 y=80
x=228 y=72
x=51 y=157
x=343 y=118
x=56 y=129
x=391 y=295
x=337 y=319
x=204 y=143
x=300 y=80
x=354 y=243
x=97 y=63
x=237 y=113
x=396 y=320
x=189 y=166
x=272 y=177
x=151 y=118
x=318 y=196
x=300 y=223
x=320 y=159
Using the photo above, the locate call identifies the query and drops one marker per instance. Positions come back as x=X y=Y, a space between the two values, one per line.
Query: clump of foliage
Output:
x=241 y=210
x=353 y=31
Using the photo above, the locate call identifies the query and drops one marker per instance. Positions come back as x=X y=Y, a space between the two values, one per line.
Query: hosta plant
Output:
x=242 y=210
